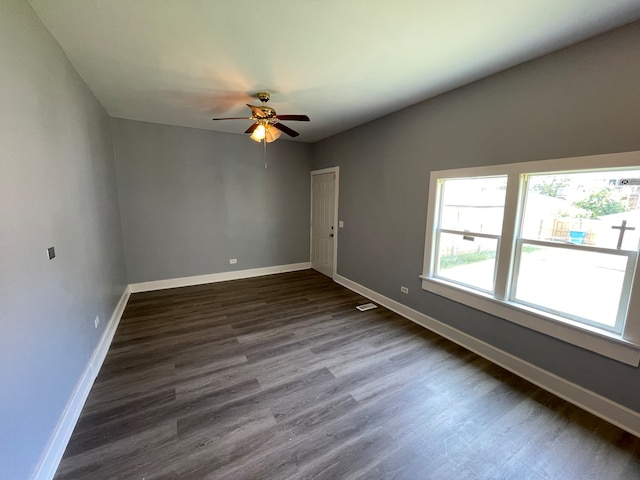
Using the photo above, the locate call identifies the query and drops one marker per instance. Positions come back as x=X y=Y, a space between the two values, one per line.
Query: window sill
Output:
x=599 y=341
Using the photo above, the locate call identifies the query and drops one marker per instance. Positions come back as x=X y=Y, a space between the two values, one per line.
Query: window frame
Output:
x=438 y=237
x=624 y=346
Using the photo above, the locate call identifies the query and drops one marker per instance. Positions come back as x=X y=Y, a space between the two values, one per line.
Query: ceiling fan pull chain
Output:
x=264 y=151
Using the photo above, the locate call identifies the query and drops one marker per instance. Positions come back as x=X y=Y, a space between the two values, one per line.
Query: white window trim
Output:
x=624 y=347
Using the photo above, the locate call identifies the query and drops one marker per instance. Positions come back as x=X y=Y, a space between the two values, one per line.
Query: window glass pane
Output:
x=573 y=282
x=473 y=204
x=584 y=208
x=467 y=259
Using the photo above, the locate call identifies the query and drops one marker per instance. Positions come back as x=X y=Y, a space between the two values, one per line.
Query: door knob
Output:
x=331 y=235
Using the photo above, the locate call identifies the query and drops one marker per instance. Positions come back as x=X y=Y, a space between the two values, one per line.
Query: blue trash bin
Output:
x=577 y=236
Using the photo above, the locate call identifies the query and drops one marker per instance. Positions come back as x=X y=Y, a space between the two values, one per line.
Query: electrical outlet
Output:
x=97 y=321
x=404 y=289
x=233 y=261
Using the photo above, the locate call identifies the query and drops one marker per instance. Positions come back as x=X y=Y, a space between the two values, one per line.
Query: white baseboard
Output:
x=216 y=277
x=60 y=438
x=600 y=406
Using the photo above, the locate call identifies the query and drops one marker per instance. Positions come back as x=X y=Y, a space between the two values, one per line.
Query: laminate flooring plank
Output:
x=118 y=458
x=478 y=456
x=148 y=358
x=264 y=456
x=109 y=391
x=313 y=445
x=300 y=430
x=93 y=431
x=206 y=415
x=353 y=459
x=280 y=377
x=283 y=368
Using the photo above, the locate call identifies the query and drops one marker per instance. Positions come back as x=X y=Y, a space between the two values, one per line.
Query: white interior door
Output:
x=323 y=233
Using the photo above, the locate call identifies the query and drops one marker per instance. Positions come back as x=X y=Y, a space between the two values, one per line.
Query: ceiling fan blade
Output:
x=257 y=111
x=299 y=118
x=234 y=118
x=285 y=129
x=252 y=128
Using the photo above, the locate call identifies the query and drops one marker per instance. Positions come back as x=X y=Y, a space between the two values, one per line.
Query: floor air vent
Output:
x=366 y=306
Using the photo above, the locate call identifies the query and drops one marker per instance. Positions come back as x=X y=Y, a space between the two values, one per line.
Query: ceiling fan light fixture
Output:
x=259 y=133
x=272 y=134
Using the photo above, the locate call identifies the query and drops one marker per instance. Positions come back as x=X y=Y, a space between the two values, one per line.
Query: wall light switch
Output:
x=340 y=223
x=51 y=253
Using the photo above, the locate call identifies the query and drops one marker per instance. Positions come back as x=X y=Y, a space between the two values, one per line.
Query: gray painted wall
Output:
x=57 y=187
x=578 y=101
x=192 y=199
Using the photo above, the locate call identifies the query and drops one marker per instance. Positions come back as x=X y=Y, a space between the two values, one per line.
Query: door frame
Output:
x=322 y=171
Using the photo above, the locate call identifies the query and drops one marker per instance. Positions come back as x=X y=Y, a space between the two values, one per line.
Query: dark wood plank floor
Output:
x=280 y=377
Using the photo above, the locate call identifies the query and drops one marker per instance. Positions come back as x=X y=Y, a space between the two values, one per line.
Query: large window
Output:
x=551 y=245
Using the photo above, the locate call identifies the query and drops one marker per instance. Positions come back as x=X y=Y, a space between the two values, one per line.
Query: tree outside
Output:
x=600 y=203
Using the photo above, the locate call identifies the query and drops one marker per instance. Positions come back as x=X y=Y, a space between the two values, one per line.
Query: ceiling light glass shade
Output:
x=259 y=133
x=272 y=134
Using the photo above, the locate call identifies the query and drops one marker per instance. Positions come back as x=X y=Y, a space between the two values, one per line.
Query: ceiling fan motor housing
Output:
x=268 y=111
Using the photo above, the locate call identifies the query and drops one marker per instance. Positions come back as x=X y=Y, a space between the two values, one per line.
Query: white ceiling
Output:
x=342 y=62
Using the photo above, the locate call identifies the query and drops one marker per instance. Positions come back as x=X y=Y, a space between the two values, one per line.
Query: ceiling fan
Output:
x=267 y=123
